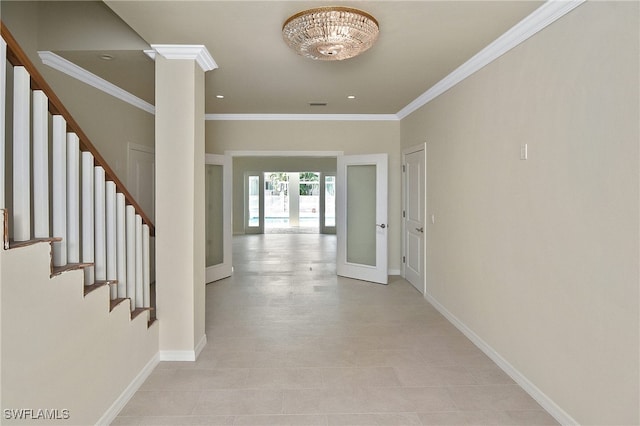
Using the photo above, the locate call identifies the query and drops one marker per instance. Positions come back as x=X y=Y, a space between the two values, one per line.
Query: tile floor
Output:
x=290 y=343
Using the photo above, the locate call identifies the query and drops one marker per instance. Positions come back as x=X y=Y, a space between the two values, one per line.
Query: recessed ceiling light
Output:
x=220 y=96
x=351 y=97
x=106 y=57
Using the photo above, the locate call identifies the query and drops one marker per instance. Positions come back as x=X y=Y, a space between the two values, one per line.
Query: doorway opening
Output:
x=294 y=202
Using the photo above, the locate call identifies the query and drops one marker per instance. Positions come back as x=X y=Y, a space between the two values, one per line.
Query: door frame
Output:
x=405 y=152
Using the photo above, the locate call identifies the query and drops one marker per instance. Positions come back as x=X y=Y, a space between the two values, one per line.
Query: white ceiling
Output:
x=420 y=43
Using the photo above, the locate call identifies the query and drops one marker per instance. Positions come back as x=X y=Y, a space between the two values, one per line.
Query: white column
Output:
x=88 y=228
x=40 y=164
x=110 y=208
x=139 y=264
x=59 y=181
x=131 y=254
x=121 y=243
x=21 y=155
x=73 y=198
x=180 y=245
x=100 y=224
x=3 y=100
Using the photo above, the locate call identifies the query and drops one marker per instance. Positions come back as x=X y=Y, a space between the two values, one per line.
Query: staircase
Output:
x=79 y=330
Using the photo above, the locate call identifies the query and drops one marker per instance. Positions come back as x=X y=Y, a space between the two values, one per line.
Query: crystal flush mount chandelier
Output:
x=330 y=33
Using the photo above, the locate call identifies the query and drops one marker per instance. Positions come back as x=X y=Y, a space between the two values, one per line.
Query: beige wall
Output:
x=61 y=350
x=539 y=258
x=350 y=137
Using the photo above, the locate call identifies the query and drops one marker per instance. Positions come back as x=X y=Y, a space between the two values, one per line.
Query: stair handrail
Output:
x=17 y=57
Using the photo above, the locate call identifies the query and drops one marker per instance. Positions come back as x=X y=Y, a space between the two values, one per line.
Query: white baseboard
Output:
x=541 y=398
x=117 y=406
x=394 y=272
x=184 y=355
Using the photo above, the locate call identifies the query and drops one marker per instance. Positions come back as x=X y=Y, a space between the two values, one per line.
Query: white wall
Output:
x=351 y=137
x=539 y=258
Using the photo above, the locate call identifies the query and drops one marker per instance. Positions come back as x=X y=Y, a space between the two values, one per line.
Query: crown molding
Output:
x=233 y=153
x=545 y=15
x=301 y=117
x=549 y=12
x=197 y=52
x=67 y=67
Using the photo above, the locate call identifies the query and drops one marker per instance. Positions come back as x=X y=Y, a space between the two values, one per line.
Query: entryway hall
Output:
x=291 y=343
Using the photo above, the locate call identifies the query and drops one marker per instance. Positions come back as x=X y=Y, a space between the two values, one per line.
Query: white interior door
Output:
x=141 y=171
x=218 y=248
x=362 y=226
x=414 y=212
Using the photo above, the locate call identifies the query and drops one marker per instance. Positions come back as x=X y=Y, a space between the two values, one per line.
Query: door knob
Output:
x=382 y=225
x=421 y=229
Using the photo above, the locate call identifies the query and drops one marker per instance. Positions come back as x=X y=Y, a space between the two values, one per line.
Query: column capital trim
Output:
x=197 y=52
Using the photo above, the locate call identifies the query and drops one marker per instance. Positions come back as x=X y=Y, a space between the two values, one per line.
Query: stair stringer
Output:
x=62 y=350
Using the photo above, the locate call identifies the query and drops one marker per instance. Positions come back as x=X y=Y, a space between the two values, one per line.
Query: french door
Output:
x=362 y=225
x=217 y=217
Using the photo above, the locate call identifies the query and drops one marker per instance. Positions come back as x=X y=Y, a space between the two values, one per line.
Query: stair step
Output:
x=15 y=244
x=116 y=302
x=138 y=311
x=89 y=288
x=57 y=270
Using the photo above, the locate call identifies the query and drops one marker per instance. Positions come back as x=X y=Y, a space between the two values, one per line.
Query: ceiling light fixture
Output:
x=330 y=33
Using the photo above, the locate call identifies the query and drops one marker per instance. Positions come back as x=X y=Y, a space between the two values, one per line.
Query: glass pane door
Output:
x=254 y=202
x=218 y=256
x=328 y=204
x=214 y=215
x=362 y=217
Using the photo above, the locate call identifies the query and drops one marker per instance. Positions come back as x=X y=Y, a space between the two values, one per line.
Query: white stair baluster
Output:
x=59 y=180
x=21 y=156
x=88 y=214
x=100 y=241
x=139 y=284
x=121 y=243
x=110 y=209
x=131 y=255
x=73 y=198
x=40 y=164
x=3 y=100
x=146 y=270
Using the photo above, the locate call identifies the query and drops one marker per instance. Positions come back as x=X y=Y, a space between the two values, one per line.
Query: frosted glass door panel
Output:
x=361 y=214
x=214 y=214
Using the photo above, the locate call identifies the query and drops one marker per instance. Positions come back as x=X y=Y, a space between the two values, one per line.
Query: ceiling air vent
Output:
x=317 y=104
